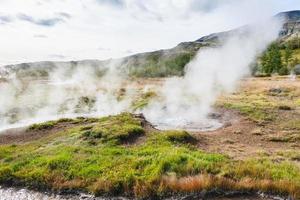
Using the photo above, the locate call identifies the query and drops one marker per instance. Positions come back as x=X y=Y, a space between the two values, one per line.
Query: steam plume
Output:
x=95 y=91
x=67 y=92
x=189 y=100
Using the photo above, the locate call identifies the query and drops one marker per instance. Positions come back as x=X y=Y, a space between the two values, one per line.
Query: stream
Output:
x=9 y=193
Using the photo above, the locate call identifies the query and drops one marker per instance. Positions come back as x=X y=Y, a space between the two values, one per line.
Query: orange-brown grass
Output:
x=60 y=183
x=101 y=185
x=208 y=182
x=145 y=189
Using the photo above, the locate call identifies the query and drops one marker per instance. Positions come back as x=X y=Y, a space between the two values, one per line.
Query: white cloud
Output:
x=76 y=28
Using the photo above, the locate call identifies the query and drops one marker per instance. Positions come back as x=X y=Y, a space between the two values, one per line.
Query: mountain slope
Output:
x=291 y=26
x=161 y=63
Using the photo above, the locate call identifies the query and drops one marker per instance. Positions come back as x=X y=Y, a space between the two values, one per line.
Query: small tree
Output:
x=271 y=60
x=265 y=63
x=287 y=55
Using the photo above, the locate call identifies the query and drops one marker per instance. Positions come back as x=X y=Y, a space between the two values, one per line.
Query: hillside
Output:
x=161 y=63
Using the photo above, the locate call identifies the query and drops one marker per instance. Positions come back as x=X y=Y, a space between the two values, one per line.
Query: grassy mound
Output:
x=91 y=156
x=117 y=129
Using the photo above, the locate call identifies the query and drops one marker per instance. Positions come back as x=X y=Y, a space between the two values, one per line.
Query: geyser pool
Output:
x=174 y=123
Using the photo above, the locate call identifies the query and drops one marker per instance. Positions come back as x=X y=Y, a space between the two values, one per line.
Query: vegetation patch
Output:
x=290 y=155
x=43 y=126
x=52 y=124
x=280 y=58
x=159 y=64
x=179 y=136
x=85 y=104
x=143 y=100
x=292 y=125
x=285 y=138
x=297 y=102
x=254 y=111
x=261 y=105
x=119 y=129
x=90 y=157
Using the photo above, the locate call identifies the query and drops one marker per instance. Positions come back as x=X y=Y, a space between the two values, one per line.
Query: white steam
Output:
x=188 y=100
x=182 y=102
x=67 y=92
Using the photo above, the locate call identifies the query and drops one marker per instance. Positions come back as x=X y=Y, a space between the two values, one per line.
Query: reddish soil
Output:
x=240 y=138
x=21 y=135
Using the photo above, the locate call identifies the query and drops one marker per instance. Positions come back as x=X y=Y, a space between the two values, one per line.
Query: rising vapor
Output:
x=188 y=100
x=93 y=91
x=66 y=92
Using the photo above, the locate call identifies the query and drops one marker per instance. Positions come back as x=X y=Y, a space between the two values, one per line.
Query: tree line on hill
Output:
x=281 y=57
x=278 y=58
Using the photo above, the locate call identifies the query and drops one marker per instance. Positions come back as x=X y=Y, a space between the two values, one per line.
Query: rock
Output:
x=215 y=115
x=284 y=107
x=228 y=141
x=275 y=90
x=227 y=124
x=237 y=132
x=297 y=69
x=257 y=131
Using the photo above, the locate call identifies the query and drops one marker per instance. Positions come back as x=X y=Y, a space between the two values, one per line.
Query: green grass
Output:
x=143 y=100
x=251 y=111
x=264 y=169
x=41 y=126
x=158 y=64
x=257 y=107
x=179 y=136
x=263 y=102
x=296 y=54
x=91 y=157
x=297 y=102
x=72 y=156
x=51 y=124
x=114 y=128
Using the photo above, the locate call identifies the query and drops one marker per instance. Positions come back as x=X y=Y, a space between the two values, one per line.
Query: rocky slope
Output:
x=291 y=27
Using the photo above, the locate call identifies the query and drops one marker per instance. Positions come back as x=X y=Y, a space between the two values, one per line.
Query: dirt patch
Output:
x=24 y=134
x=242 y=137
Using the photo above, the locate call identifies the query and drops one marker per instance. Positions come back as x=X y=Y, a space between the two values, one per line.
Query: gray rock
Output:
x=297 y=69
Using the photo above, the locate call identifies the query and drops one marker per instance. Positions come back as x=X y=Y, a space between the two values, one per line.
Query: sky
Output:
x=62 y=30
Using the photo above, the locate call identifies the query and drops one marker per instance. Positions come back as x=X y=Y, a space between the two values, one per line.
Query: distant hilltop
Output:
x=290 y=28
x=291 y=25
